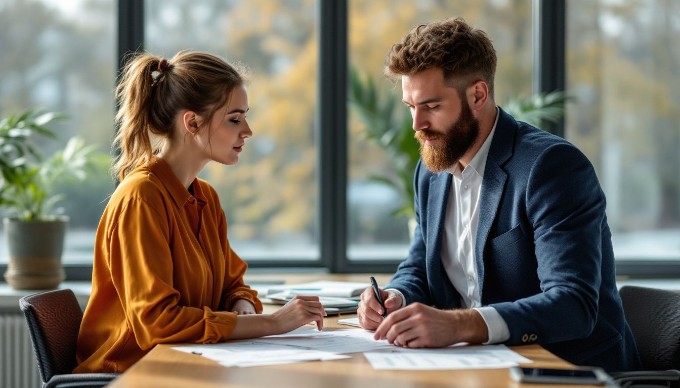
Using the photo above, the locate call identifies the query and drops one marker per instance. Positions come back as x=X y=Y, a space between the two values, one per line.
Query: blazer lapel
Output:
x=493 y=185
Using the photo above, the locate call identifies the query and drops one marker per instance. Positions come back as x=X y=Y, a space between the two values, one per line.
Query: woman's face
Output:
x=226 y=135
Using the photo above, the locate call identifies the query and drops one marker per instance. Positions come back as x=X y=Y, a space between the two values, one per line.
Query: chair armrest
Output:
x=663 y=378
x=81 y=380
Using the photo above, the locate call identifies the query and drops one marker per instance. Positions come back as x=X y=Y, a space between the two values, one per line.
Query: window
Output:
x=622 y=70
x=271 y=196
x=373 y=231
x=61 y=58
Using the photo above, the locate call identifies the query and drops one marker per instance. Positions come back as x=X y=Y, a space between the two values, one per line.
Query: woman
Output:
x=164 y=271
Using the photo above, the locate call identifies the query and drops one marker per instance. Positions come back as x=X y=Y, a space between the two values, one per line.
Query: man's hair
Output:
x=465 y=54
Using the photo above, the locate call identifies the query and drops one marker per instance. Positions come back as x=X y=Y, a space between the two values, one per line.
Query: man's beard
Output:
x=457 y=141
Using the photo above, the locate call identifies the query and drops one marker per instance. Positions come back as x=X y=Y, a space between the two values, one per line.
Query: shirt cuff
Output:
x=395 y=291
x=495 y=324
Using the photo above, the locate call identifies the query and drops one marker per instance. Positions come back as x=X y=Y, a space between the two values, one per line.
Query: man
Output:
x=512 y=244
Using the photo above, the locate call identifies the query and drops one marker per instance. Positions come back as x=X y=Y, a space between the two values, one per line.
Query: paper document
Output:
x=308 y=344
x=329 y=340
x=302 y=344
x=349 y=322
x=322 y=288
x=253 y=353
x=326 y=301
x=454 y=357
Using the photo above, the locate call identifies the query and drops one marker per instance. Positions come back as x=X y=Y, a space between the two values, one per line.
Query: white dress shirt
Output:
x=460 y=236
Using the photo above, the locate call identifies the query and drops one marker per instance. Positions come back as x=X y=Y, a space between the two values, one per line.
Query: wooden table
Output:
x=165 y=367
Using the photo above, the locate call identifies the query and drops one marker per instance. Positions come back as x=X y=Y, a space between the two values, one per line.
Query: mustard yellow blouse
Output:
x=163 y=271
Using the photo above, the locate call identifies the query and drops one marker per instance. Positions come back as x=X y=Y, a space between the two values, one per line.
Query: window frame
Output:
x=549 y=34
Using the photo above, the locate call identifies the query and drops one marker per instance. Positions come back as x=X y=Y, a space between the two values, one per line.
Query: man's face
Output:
x=443 y=122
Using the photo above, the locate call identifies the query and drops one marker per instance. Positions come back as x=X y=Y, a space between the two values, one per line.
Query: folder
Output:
x=336 y=297
x=332 y=305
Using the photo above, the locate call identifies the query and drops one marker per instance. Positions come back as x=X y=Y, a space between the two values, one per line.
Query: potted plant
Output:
x=389 y=126
x=34 y=227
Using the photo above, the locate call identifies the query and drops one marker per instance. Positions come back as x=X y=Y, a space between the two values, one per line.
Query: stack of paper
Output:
x=331 y=304
x=323 y=288
x=336 y=297
x=307 y=344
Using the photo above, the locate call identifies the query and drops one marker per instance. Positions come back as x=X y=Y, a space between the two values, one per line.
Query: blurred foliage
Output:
x=538 y=109
x=28 y=180
x=388 y=125
x=624 y=115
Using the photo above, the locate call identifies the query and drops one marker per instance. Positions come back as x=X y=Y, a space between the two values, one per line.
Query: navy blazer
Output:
x=543 y=253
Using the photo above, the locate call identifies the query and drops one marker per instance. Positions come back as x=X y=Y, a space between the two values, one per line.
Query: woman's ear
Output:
x=477 y=95
x=190 y=122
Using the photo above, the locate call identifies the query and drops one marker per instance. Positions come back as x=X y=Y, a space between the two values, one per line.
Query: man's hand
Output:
x=370 y=312
x=421 y=326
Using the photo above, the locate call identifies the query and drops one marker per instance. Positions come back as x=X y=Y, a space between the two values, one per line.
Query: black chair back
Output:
x=654 y=317
x=53 y=319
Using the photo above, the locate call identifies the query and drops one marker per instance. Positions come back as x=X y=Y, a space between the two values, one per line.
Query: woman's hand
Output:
x=243 y=307
x=299 y=311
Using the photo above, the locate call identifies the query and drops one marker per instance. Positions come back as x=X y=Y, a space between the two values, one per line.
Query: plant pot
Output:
x=35 y=249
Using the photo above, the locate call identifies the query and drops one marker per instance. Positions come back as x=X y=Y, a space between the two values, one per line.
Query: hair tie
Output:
x=162 y=66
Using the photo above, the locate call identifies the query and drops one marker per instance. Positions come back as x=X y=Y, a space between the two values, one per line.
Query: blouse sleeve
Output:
x=141 y=266
x=234 y=285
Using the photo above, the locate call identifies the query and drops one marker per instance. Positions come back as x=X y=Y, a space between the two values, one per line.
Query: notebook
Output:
x=332 y=305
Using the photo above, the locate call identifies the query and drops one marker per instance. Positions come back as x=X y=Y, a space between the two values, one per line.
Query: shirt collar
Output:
x=177 y=191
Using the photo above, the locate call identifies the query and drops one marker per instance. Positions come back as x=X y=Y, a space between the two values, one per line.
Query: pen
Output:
x=376 y=291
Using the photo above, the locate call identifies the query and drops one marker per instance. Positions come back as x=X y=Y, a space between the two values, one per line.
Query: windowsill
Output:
x=668 y=284
x=9 y=297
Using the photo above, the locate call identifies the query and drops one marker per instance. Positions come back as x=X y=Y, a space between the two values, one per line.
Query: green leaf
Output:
x=28 y=179
x=539 y=109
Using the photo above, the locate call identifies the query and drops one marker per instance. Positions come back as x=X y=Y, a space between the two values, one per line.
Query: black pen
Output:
x=376 y=291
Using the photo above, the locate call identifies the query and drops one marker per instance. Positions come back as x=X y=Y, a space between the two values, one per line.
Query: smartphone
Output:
x=579 y=375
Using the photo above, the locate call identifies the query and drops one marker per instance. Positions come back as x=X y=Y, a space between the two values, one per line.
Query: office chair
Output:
x=654 y=317
x=53 y=319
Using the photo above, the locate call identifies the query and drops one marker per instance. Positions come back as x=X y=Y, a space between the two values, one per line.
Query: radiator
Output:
x=18 y=365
